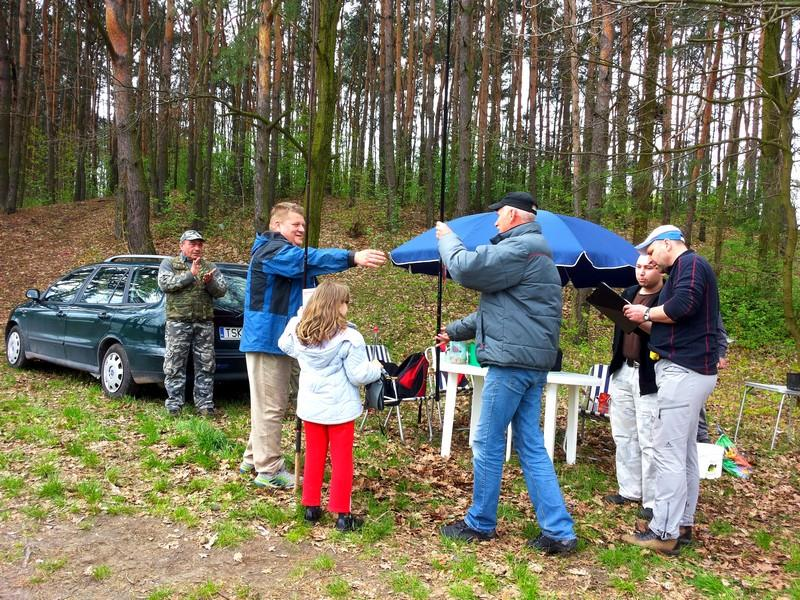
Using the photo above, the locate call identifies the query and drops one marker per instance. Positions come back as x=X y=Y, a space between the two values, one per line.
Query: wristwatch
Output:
x=646 y=314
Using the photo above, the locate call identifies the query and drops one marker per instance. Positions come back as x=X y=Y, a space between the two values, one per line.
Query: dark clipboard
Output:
x=610 y=303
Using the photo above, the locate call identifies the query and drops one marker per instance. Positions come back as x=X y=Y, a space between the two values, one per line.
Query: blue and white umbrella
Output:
x=584 y=252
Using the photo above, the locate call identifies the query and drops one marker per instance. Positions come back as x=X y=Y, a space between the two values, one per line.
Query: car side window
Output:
x=233 y=300
x=64 y=289
x=106 y=287
x=144 y=287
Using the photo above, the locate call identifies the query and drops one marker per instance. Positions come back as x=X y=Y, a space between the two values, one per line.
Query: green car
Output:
x=108 y=319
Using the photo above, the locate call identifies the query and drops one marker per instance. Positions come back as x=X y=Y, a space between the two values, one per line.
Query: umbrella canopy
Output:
x=584 y=252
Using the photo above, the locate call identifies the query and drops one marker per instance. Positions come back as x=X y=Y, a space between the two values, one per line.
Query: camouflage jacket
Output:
x=188 y=298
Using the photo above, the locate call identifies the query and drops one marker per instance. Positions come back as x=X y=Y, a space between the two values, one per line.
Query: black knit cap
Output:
x=521 y=200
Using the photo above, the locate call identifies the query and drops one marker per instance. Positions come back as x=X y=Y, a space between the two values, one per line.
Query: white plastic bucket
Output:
x=709 y=460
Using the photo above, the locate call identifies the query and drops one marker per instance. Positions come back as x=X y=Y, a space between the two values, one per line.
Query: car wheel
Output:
x=15 y=348
x=115 y=372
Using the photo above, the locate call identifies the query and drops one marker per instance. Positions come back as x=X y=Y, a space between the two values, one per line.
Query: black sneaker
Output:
x=685 y=535
x=347 y=522
x=550 y=546
x=207 y=412
x=618 y=499
x=174 y=412
x=461 y=531
x=313 y=513
x=645 y=513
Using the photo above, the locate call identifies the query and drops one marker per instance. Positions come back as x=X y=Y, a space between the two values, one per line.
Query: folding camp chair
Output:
x=595 y=403
x=408 y=382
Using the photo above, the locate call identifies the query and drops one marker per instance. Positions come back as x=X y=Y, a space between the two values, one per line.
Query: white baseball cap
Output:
x=662 y=232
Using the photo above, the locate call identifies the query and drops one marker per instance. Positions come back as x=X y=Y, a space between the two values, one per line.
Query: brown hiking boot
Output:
x=649 y=539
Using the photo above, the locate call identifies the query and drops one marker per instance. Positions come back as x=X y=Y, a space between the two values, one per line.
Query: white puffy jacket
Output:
x=330 y=375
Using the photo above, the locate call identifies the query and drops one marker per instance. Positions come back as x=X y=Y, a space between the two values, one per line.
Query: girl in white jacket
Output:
x=333 y=363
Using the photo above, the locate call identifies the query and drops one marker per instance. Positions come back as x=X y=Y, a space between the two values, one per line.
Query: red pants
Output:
x=340 y=438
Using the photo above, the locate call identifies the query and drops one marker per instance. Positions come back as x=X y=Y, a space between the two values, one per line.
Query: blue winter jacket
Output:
x=275 y=286
x=518 y=320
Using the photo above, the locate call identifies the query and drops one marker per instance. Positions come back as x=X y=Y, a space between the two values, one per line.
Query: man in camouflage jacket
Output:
x=190 y=283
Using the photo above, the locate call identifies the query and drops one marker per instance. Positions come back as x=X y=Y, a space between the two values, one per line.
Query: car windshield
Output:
x=106 y=287
x=233 y=300
x=64 y=289
x=144 y=287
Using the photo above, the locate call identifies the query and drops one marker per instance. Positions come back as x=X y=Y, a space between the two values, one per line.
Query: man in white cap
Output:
x=683 y=341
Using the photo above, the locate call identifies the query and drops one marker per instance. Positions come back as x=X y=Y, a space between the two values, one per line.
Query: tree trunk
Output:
x=666 y=128
x=598 y=164
x=261 y=216
x=648 y=113
x=327 y=90
x=5 y=105
x=165 y=100
x=387 y=110
x=776 y=162
x=464 y=107
x=619 y=181
x=705 y=130
x=19 y=109
x=571 y=42
x=133 y=185
x=277 y=73
x=533 y=92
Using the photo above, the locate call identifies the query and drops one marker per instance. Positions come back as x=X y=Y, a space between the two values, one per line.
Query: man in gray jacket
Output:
x=516 y=328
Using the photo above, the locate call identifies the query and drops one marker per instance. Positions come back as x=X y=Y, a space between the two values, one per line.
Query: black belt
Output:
x=632 y=363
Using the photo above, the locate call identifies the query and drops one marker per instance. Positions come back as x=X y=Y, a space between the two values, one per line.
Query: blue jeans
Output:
x=514 y=395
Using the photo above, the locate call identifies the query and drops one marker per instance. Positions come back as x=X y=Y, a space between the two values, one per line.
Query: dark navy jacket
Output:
x=690 y=298
x=275 y=286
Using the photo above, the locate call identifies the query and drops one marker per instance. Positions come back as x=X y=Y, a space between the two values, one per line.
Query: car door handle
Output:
x=61 y=313
x=104 y=315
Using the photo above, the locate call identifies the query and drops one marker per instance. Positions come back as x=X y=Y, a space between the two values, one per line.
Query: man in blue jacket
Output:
x=274 y=295
x=516 y=328
x=683 y=340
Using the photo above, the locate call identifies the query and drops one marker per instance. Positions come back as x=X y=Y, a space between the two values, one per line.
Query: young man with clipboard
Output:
x=633 y=396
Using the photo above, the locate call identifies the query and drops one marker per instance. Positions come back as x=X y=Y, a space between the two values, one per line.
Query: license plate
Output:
x=230 y=333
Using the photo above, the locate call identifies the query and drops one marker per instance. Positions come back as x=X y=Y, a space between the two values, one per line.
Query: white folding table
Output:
x=767 y=387
x=573 y=381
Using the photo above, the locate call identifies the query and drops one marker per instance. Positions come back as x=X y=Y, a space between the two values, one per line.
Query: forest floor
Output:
x=102 y=498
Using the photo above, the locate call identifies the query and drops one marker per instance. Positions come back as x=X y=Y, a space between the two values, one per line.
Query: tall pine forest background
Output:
x=629 y=114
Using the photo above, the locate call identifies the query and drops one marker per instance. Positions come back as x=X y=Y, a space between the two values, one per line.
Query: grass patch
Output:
x=527 y=582
x=338 y=588
x=324 y=562
x=35 y=512
x=710 y=585
x=230 y=533
x=409 y=585
x=161 y=593
x=52 y=489
x=462 y=591
x=183 y=514
x=721 y=527
x=11 y=485
x=101 y=572
x=149 y=428
x=90 y=490
x=204 y=591
x=762 y=539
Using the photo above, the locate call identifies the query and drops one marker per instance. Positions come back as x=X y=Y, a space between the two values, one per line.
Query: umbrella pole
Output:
x=312 y=98
x=442 y=186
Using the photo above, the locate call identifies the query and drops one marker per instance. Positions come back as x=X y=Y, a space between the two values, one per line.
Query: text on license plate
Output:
x=230 y=333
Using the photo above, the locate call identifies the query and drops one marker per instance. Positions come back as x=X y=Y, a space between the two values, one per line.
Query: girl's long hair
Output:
x=321 y=319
